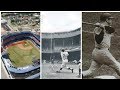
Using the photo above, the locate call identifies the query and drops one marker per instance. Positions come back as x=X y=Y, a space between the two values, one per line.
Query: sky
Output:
x=60 y=21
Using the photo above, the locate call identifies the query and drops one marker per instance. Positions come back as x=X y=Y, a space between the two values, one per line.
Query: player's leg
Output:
x=66 y=62
x=113 y=63
x=69 y=68
x=93 y=67
x=62 y=66
x=79 y=69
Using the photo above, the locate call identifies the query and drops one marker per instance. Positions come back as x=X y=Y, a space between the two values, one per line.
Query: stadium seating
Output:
x=52 y=43
x=14 y=37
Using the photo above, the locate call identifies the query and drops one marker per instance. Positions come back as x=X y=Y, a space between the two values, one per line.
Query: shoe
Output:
x=72 y=70
x=57 y=71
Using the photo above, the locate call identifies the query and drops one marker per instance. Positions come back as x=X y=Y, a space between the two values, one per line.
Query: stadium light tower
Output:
x=63 y=43
x=51 y=49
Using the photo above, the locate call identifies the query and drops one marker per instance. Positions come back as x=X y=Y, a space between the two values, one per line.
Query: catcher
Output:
x=101 y=54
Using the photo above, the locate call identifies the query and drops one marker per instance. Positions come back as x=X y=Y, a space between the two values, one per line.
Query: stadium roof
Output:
x=60 y=21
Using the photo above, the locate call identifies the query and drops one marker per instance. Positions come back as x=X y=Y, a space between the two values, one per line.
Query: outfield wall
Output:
x=75 y=55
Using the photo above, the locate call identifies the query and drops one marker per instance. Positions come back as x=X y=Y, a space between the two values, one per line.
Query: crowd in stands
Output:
x=52 y=43
x=56 y=44
x=11 y=38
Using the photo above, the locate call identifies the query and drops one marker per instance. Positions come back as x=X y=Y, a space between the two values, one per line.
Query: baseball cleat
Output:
x=57 y=71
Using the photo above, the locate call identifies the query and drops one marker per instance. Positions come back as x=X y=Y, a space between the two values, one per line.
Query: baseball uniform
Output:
x=101 y=54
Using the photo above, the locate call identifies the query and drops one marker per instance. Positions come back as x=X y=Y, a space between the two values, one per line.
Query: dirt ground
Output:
x=49 y=72
x=21 y=46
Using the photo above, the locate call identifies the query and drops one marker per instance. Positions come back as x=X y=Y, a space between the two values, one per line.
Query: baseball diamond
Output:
x=21 y=54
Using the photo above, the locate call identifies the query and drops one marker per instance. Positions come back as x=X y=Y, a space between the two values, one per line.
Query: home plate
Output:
x=105 y=77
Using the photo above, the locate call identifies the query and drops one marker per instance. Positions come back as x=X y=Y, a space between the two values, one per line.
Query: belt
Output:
x=100 y=48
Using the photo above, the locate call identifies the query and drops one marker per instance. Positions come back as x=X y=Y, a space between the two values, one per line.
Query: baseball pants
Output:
x=64 y=63
x=100 y=57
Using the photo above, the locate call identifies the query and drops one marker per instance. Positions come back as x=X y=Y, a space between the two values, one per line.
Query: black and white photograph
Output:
x=61 y=44
x=100 y=45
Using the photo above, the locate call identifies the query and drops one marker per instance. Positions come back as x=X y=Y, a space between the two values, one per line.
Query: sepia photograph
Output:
x=101 y=45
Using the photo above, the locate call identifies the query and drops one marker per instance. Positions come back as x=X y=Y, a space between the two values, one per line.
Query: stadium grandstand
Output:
x=52 y=43
x=11 y=54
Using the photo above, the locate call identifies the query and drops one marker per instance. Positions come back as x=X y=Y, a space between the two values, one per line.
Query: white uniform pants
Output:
x=100 y=57
x=64 y=62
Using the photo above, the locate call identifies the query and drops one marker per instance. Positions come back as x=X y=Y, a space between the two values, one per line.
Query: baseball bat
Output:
x=87 y=23
x=73 y=49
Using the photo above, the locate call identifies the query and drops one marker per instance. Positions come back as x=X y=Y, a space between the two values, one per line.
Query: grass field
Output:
x=49 y=71
x=88 y=44
x=23 y=54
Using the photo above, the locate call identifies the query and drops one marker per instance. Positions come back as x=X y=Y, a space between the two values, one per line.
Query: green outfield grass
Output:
x=20 y=57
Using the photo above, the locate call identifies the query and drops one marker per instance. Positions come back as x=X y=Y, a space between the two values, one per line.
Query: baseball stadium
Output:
x=52 y=43
x=21 y=53
x=88 y=43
